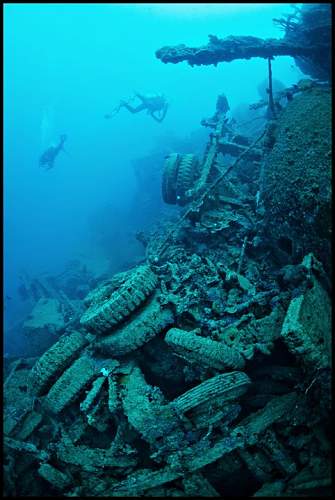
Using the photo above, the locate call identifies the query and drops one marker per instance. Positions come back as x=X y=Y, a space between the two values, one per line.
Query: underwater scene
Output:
x=167 y=250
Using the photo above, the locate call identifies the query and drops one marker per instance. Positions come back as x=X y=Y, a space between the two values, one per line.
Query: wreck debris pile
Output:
x=141 y=328
x=206 y=370
x=55 y=360
x=108 y=307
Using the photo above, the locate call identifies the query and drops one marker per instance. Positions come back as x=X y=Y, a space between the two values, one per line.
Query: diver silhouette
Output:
x=155 y=104
x=48 y=157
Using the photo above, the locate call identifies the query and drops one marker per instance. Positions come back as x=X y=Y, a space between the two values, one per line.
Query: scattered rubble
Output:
x=205 y=371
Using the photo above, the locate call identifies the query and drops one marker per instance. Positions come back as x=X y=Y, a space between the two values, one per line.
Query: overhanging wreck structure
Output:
x=307 y=38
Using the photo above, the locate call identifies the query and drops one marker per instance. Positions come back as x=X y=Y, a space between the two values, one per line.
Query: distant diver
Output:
x=222 y=111
x=155 y=104
x=48 y=157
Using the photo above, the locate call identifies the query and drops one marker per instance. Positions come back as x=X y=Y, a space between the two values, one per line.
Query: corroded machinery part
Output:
x=54 y=361
x=101 y=316
x=268 y=457
x=29 y=424
x=277 y=409
x=146 y=409
x=245 y=434
x=92 y=394
x=218 y=413
x=210 y=161
x=145 y=479
x=187 y=172
x=113 y=395
x=142 y=480
x=307 y=326
x=71 y=384
x=91 y=459
x=231 y=385
x=55 y=477
x=202 y=454
x=249 y=335
x=27 y=448
x=203 y=351
x=141 y=328
x=169 y=178
x=277 y=453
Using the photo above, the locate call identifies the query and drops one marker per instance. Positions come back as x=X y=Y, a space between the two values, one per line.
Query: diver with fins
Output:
x=155 y=104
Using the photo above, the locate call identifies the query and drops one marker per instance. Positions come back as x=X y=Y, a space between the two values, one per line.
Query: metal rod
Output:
x=271 y=101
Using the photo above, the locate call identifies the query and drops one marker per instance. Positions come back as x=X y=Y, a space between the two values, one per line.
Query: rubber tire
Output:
x=169 y=178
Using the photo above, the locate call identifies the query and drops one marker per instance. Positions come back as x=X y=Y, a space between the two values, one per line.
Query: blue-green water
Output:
x=65 y=66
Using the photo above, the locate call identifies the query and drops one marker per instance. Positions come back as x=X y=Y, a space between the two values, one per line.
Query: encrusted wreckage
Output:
x=52 y=305
x=307 y=38
x=209 y=363
x=206 y=370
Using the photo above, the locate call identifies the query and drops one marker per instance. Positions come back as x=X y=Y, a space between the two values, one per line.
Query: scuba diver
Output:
x=155 y=104
x=48 y=157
